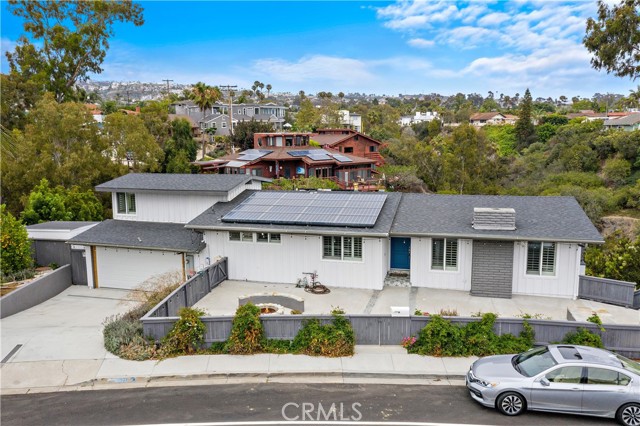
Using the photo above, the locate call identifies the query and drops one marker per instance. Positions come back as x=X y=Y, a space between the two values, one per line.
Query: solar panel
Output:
x=341 y=158
x=309 y=208
x=299 y=153
x=253 y=154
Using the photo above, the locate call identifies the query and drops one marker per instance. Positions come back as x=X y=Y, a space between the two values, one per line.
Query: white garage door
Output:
x=128 y=268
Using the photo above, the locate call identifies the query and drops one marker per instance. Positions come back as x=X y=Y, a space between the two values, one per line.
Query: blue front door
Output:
x=400 y=253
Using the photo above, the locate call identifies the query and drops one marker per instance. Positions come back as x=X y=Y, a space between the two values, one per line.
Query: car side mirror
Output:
x=544 y=381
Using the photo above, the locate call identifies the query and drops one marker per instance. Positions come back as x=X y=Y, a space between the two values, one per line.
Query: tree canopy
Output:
x=66 y=40
x=614 y=38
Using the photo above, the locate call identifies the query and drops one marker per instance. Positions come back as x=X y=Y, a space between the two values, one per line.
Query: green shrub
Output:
x=274 y=346
x=595 y=318
x=217 y=348
x=247 y=333
x=15 y=253
x=187 y=334
x=441 y=337
x=332 y=340
x=583 y=337
x=119 y=332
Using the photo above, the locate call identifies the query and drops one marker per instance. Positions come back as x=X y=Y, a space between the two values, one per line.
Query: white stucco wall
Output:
x=166 y=207
x=563 y=284
x=128 y=268
x=423 y=276
x=285 y=262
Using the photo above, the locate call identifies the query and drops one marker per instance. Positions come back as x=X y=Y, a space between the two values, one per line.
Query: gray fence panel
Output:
x=636 y=300
x=36 y=292
x=78 y=268
x=48 y=252
x=218 y=329
x=606 y=290
x=387 y=330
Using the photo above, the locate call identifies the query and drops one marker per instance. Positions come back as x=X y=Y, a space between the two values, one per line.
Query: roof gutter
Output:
x=175 y=249
x=289 y=231
x=496 y=237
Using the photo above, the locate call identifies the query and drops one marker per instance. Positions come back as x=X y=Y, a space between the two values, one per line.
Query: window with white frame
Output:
x=342 y=248
x=126 y=202
x=444 y=254
x=541 y=258
x=267 y=237
x=241 y=236
x=223 y=124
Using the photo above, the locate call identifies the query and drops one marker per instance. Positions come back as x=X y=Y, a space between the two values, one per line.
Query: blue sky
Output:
x=372 y=46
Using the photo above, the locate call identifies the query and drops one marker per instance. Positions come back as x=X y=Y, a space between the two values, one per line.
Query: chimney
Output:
x=494 y=219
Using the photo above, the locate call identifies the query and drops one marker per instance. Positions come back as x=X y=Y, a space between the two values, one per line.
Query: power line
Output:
x=166 y=80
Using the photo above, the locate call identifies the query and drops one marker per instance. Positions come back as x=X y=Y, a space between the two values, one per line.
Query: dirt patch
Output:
x=627 y=225
x=6 y=288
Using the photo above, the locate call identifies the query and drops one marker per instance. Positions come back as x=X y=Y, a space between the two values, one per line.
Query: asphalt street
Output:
x=280 y=402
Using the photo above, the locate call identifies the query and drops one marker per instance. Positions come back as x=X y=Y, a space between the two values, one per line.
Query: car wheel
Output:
x=629 y=414
x=511 y=404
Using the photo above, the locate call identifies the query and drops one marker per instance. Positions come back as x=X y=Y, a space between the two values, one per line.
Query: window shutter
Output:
x=451 y=254
x=437 y=254
x=122 y=204
x=533 y=258
x=357 y=248
x=131 y=203
x=548 y=258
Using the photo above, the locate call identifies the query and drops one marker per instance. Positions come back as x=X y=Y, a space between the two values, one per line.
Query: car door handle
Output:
x=575 y=389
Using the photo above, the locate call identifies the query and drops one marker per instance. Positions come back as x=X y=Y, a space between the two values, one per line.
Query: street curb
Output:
x=130 y=382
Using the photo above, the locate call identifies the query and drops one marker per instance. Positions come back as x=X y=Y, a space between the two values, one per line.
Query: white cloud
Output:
x=421 y=43
x=493 y=19
x=320 y=67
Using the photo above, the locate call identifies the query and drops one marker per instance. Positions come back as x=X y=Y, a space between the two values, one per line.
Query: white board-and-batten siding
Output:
x=423 y=276
x=285 y=262
x=167 y=207
x=563 y=284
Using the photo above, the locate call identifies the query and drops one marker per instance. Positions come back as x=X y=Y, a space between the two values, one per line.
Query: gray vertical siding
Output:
x=48 y=252
x=78 y=268
x=492 y=268
x=387 y=330
x=36 y=292
x=605 y=290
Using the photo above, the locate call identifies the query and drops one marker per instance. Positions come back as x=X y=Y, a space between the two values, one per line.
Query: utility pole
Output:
x=166 y=80
x=230 y=92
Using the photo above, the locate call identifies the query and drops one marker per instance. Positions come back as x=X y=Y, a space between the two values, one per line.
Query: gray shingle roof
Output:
x=61 y=225
x=212 y=219
x=203 y=183
x=629 y=120
x=537 y=218
x=143 y=235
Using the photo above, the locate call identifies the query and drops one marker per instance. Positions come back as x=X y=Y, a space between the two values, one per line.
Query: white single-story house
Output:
x=488 y=245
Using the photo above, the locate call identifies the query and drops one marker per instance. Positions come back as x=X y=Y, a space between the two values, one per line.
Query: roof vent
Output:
x=494 y=219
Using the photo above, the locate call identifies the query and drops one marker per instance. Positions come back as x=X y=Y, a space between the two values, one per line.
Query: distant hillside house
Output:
x=419 y=117
x=480 y=119
x=629 y=123
x=351 y=120
x=219 y=113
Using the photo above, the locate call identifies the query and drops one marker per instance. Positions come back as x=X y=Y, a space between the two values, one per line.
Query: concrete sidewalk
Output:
x=380 y=364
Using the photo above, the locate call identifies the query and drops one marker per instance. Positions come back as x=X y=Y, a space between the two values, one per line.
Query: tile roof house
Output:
x=628 y=123
x=487 y=245
x=480 y=119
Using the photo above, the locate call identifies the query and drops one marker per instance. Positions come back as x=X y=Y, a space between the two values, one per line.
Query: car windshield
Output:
x=629 y=365
x=533 y=362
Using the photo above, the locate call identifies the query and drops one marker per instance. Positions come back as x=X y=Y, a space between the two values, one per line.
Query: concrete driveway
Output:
x=67 y=326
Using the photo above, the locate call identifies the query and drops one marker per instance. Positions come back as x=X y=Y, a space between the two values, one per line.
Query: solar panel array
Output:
x=309 y=208
x=320 y=155
x=253 y=154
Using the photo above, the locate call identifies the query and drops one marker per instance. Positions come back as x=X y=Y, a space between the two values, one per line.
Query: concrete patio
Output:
x=223 y=300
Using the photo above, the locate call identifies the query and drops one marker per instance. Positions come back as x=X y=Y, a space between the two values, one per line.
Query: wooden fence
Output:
x=605 y=290
x=388 y=330
x=189 y=293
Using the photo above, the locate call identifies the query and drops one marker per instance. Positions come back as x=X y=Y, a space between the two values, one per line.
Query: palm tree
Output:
x=204 y=96
x=269 y=87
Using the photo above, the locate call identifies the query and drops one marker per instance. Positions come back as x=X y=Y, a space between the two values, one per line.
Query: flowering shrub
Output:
x=407 y=342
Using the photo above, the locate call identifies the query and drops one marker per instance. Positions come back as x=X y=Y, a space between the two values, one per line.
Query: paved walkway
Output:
x=369 y=364
x=223 y=300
